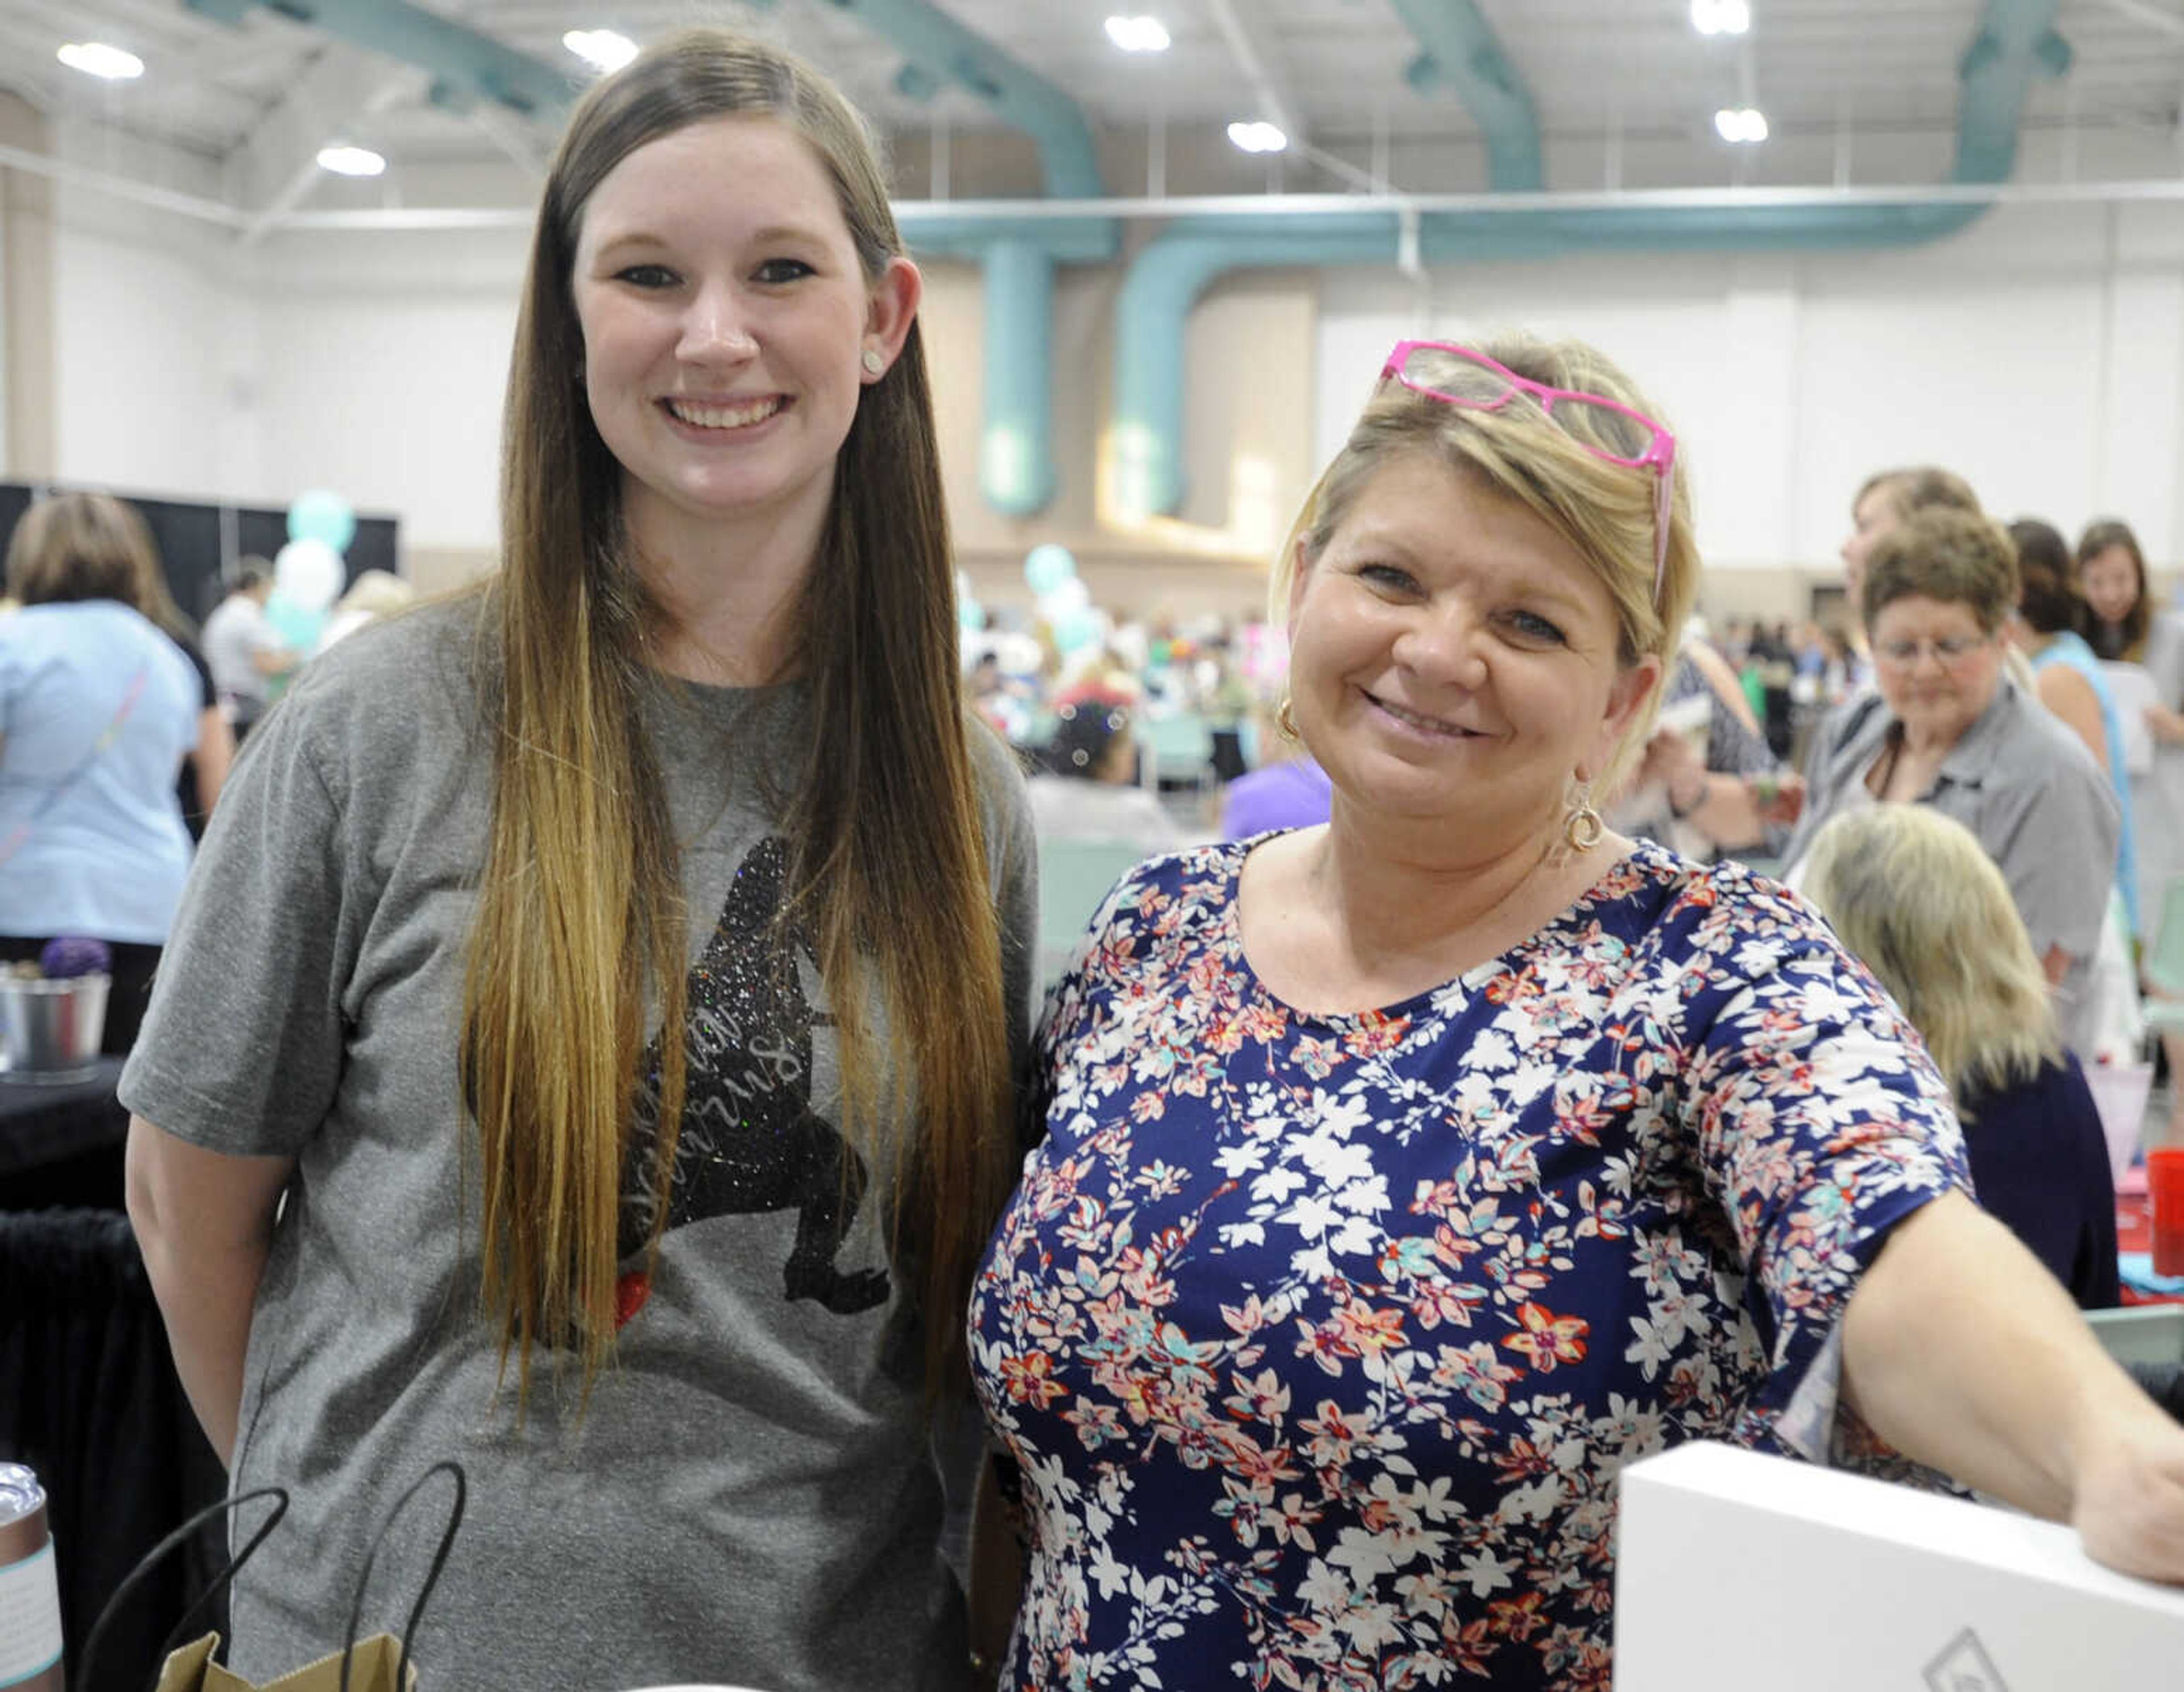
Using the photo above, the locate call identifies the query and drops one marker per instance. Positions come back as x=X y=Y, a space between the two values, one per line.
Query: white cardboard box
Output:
x=1736 y=1571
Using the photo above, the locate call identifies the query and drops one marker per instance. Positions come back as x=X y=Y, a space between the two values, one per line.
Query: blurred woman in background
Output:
x=1088 y=789
x=2125 y=625
x=1947 y=728
x=2051 y=613
x=99 y=708
x=1915 y=896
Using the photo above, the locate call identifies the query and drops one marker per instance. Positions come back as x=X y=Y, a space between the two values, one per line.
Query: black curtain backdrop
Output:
x=187 y=533
x=90 y=1401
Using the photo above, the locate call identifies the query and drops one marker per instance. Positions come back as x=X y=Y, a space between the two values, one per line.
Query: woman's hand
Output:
x=1778 y=798
x=2164 y=725
x=1672 y=760
x=2129 y=1511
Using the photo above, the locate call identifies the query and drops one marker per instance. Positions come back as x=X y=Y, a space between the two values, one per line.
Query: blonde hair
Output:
x=1606 y=511
x=1915 y=896
x=377 y=593
x=580 y=906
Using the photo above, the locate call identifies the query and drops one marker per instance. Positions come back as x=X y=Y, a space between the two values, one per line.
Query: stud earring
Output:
x=874 y=364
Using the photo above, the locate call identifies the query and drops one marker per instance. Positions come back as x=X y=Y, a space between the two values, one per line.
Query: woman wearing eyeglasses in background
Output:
x=1949 y=728
x=1886 y=500
x=1403 y=1178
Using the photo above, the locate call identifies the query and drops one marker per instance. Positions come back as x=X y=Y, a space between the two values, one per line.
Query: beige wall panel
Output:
x=26 y=249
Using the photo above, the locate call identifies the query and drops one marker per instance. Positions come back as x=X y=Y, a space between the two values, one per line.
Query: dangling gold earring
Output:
x=1285 y=718
x=1582 y=827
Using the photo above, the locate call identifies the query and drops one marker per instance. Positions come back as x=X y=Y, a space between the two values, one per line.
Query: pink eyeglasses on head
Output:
x=1605 y=428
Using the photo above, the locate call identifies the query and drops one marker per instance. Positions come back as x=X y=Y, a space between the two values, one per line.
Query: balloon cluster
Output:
x=1064 y=601
x=307 y=573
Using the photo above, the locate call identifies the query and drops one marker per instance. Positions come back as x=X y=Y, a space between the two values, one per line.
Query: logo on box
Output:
x=1965 y=1666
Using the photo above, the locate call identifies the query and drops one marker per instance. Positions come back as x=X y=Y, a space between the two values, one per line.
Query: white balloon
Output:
x=1064 y=597
x=308 y=575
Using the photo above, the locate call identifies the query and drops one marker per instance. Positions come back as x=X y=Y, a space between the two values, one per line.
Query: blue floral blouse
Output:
x=1320 y=1340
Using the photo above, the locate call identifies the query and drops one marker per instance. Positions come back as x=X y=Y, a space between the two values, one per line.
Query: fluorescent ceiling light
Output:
x=1257 y=137
x=350 y=161
x=1740 y=123
x=604 y=48
x=1138 y=35
x=1720 y=17
x=96 y=58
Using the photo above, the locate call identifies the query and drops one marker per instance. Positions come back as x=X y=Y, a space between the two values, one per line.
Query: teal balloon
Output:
x=299 y=628
x=320 y=515
x=1047 y=566
x=1074 y=631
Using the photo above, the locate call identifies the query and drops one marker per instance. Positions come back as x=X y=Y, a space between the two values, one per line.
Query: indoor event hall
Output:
x=934 y=845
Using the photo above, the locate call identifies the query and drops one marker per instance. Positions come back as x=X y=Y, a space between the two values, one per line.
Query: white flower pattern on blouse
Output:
x=1320 y=1340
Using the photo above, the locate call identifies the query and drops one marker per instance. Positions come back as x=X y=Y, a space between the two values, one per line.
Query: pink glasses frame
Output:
x=1659 y=456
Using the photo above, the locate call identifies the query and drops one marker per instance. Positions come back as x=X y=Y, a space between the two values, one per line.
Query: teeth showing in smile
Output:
x=725 y=416
x=1424 y=724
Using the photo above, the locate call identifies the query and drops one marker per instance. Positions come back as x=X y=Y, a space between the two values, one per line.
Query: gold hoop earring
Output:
x=1582 y=828
x=1285 y=718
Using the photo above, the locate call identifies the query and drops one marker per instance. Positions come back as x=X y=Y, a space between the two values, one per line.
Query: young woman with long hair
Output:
x=619 y=970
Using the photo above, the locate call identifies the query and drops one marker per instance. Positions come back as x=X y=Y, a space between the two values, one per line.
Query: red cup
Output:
x=2164 y=1192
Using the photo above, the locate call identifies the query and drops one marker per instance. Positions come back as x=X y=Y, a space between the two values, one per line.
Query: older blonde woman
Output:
x=1405 y=1178
x=1913 y=895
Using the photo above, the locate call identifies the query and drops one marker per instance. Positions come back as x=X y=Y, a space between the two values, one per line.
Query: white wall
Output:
x=372 y=364
x=395 y=401
x=140 y=333
x=2040 y=352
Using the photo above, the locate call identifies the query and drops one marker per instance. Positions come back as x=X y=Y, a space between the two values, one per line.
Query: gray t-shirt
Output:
x=2022 y=781
x=749 y=1497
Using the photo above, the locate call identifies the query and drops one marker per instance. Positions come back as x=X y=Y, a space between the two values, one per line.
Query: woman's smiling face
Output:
x=725 y=315
x=1453 y=655
x=2111 y=583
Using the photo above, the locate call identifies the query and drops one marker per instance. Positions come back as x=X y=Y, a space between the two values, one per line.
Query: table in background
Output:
x=61 y=1142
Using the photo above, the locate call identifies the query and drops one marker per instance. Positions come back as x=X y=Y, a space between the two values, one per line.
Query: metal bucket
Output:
x=30 y=1594
x=50 y=1030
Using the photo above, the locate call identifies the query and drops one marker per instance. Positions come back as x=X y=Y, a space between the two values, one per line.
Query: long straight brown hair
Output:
x=580 y=907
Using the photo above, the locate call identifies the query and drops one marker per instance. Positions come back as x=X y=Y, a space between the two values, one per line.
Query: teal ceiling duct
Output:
x=1015 y=453
x=940 y=51
x=467 y=67
x=1462 y=54
x=2016 y=41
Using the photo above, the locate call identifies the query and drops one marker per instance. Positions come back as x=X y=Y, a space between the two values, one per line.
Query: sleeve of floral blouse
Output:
x=1819 y=1122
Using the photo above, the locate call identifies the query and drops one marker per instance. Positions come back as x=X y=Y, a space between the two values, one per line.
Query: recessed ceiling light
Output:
x=1138 y=35
x=604 y=48
x=1742 y=125
x=96 y=58
x=350 y=161
x=1721 y=17
x=1257 y=137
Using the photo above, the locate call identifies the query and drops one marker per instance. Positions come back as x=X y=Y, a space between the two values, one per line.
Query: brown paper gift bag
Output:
x=372 y=1668
x=378 y=1664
